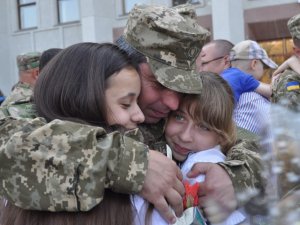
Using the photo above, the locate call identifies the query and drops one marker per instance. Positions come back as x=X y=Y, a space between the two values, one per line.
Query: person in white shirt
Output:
x=202 y=130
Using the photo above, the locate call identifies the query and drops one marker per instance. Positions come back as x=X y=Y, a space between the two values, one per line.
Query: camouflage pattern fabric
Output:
x=154 y=136
x=244 y=166
x=65 y=166
x=286 y=90
x=18 y=103
x=28 y=61
x=21 y=93
x=247 y=135
x=294 y=26
x=171 y=40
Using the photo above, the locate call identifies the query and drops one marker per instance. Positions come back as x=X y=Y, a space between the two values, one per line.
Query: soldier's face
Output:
x=121 y=96
x=155 y=100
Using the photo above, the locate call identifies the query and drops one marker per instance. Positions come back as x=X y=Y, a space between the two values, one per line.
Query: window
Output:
x=128 y=5
x=179 y=2
x=194 y=2
x=27 y=14
x=279 y=51
x=68 y=11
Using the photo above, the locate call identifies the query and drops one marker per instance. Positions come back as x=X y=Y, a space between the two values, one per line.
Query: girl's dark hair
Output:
x=72 y=86
x=214 y=108
x=115 y=209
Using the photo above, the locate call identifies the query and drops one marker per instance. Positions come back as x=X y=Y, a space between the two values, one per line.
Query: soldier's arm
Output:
x=244 y=166
x=70 y=164
x=66 y=161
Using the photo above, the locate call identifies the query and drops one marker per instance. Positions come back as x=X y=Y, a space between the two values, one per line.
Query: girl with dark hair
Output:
x=95 y=84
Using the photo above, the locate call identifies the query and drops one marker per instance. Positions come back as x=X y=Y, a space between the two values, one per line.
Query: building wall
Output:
x=5 y=78
x=102 y=21
x=14 y=42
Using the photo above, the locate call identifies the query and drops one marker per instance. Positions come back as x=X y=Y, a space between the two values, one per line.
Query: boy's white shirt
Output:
x=213 y=155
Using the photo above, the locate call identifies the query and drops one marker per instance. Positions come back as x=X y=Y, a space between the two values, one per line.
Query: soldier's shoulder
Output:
x=286 y=89
x=24 y=109
x=21 y=93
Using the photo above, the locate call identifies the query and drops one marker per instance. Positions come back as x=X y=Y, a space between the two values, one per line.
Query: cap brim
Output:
x=180 y=80
x=269 y=63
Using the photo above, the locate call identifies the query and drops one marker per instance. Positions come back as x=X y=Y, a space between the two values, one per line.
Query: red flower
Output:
x=191 y=194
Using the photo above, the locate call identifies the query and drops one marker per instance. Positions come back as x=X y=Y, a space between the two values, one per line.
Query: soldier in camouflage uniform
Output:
x=28 y=65
x=286 y=88
x=170 y=44
x=285 y=116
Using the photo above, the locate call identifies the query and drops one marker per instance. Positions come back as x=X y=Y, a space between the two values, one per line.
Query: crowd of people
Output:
x=120 y=133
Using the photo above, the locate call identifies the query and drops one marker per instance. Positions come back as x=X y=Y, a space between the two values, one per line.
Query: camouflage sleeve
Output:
x=66 y=166
x=245 y=168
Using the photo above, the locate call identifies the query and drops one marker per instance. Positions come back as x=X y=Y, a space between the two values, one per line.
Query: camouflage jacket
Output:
x=21 y=92
x=29 y=137
x=286 y=90
x=18 y=103
x=64 y=165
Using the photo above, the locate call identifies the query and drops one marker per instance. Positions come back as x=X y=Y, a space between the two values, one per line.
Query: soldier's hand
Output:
x=216 y=192
x=163 y=186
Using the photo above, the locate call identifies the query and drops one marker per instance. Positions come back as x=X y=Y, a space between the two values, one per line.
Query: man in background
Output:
x=28 y=66
x=214 y=56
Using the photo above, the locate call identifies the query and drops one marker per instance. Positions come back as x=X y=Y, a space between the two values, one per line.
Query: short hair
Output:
x=223 y=46
x=47 y=55
x=214 y=108
x=72 y=86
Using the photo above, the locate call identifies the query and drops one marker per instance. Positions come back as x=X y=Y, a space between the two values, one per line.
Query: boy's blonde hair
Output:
x=213 y=108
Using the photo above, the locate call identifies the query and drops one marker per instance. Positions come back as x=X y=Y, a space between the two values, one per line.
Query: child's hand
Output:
x=190 y=198
x=292 y=62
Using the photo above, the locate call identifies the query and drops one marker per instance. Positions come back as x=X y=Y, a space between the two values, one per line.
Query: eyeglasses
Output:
x=204 y=63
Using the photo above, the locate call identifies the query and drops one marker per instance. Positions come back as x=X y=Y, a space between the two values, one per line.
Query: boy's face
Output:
x=184 y=135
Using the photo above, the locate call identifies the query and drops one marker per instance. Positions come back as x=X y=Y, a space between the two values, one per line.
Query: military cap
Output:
x=251 y=50
x=28 y=60
x=294 y=26
x=171 y=41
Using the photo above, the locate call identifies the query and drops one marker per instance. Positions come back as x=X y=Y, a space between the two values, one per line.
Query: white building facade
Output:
x=36 y=25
